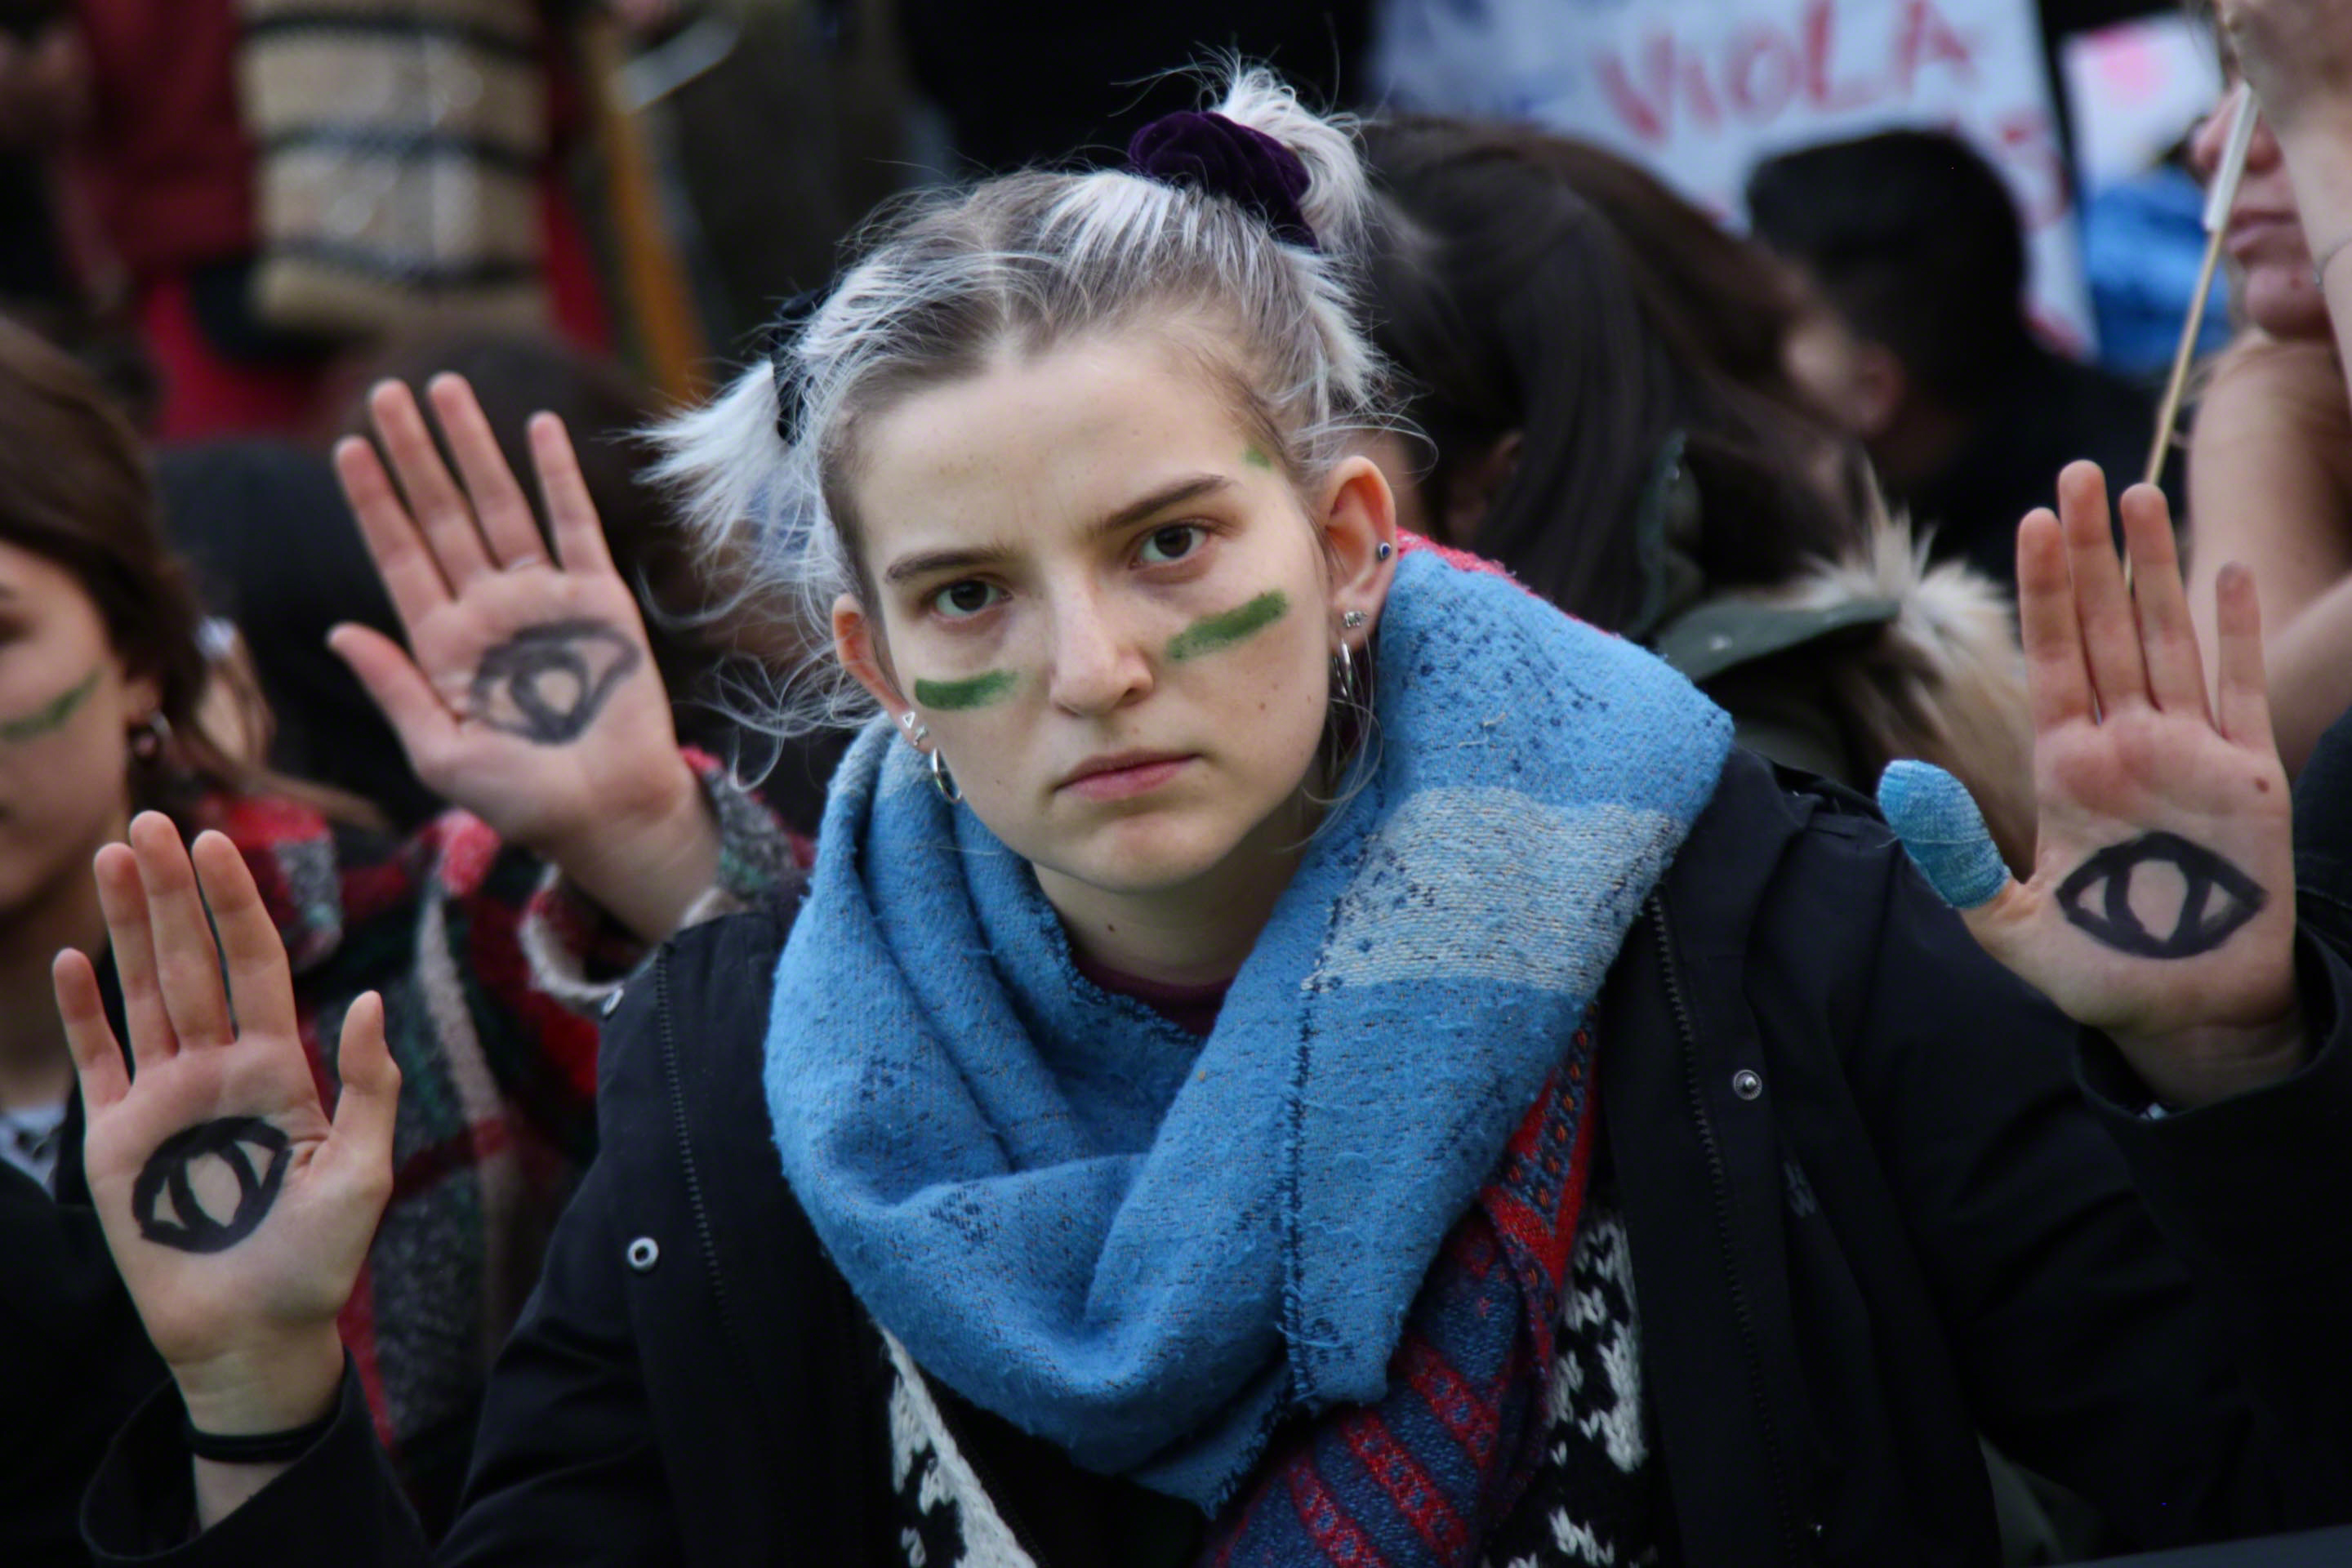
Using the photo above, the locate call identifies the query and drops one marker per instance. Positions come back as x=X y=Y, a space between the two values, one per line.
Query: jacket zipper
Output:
x=702 y=1227
x=1719 y=1182
x=708 y=1239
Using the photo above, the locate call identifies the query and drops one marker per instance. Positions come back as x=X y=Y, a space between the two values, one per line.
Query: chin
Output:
x=2284 y=303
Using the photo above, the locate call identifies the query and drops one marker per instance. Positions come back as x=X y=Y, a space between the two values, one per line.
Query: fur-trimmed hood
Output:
x=1892 y=655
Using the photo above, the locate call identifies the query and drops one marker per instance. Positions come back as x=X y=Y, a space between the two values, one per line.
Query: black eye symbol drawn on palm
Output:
x=163 y=1199
x=547 y=683
x=2200 y=926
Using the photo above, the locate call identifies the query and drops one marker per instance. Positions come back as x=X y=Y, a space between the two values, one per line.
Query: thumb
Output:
x=360 y=1142
x=415 y=711
x=1944 y=834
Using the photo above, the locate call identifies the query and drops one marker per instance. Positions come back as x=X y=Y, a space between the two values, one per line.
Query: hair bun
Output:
x=1208 y=152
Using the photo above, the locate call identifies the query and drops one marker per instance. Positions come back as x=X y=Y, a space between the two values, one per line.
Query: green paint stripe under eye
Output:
x=1211 y=633
x=51 y=717
x=978 y=692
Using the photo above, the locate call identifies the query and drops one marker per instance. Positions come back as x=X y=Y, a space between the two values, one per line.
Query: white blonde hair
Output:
x=1029 y=261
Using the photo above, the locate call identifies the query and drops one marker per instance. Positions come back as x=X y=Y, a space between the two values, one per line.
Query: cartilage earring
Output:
x=1384 y=551
x=943 y=781
x=1352 y=619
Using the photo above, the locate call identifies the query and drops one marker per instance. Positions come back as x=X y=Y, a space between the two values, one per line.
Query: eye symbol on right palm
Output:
x=547 y=683
x=2216 y=898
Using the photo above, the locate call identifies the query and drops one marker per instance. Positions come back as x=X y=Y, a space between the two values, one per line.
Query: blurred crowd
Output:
x=291 y=287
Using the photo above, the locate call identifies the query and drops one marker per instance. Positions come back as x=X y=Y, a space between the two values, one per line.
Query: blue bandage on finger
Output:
x=1943 y=832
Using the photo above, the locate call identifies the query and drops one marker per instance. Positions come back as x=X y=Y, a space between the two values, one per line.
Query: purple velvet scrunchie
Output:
x=1208 y=152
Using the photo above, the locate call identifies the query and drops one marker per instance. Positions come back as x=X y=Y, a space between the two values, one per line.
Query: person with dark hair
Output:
x=1914 y=241
x=1609 y=382
x=458 y=943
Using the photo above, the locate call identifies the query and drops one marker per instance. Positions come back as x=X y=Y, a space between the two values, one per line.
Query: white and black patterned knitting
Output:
x=1596 y=1500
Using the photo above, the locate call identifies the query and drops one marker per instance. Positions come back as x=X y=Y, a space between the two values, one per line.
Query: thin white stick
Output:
x=2222 y=195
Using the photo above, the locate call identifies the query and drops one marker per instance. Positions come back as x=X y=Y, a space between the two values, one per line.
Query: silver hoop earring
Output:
x=1348 y=690
x=150 y=736
x=943 y=780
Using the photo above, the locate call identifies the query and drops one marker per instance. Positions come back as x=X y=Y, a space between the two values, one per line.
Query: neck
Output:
x=1198 y=933
x=34 y=1067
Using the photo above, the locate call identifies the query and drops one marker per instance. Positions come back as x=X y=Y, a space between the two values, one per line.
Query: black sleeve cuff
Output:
x=2256 y=1185
x=338 y=1503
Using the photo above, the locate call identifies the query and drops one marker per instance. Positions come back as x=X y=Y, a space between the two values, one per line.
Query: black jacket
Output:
x=1871 y=1210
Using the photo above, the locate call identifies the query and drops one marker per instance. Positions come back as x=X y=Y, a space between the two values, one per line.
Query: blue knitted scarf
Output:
x=1149 y=1248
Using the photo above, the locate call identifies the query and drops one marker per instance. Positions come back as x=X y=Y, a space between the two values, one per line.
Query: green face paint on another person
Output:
x=52 y=715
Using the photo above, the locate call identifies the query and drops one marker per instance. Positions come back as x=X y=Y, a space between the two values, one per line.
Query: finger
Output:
x=570 y=510
x=2175 y=670
x=402 y=557
x=187 y=963
x=434 y=498
x=2242 y=707
x=499 y=505
x=261 y=983
x=368 y=1112
x=417 y=713
x=2058 y=681
x=122 y=898
x=2110 y=634
x=97 y=1055
x=1943 y=832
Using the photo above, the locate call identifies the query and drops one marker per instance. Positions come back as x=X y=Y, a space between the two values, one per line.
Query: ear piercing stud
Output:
x=1352 y=619
x=1384 y=551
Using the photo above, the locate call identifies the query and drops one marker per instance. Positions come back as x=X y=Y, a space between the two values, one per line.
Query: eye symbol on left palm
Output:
x=547 y=683
x=2216 y=898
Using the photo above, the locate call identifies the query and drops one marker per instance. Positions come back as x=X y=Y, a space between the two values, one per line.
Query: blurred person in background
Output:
x=1915 y=242
x=469 y=943
x=281 y=187
x=2270 y=457
x=1612 y=387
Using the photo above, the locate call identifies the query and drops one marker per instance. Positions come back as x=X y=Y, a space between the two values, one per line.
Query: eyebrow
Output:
x=1176 y=494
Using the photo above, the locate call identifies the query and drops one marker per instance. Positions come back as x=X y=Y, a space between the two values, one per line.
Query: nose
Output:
x=2212 y=134
x=1097 y=662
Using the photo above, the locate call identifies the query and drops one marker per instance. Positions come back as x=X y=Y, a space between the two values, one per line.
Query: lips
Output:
x=2252 y=233
x=1123 y=773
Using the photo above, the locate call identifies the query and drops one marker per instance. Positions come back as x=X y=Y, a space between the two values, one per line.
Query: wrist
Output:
x=646 y=864
x=263 y=1389
x=2190 y=1067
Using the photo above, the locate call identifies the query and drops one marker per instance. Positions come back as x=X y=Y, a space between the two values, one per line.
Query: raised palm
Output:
x=238 y=1213
x=527 y=694
x=2161 y=905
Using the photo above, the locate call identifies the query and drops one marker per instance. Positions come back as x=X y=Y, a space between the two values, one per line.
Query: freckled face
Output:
x=66 y=712
x=1120 y=619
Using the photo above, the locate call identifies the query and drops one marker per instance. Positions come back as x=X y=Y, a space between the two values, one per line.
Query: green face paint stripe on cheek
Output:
x=1257 y=459
x=51 y=717
x=1211 y=633
x=978 y=692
